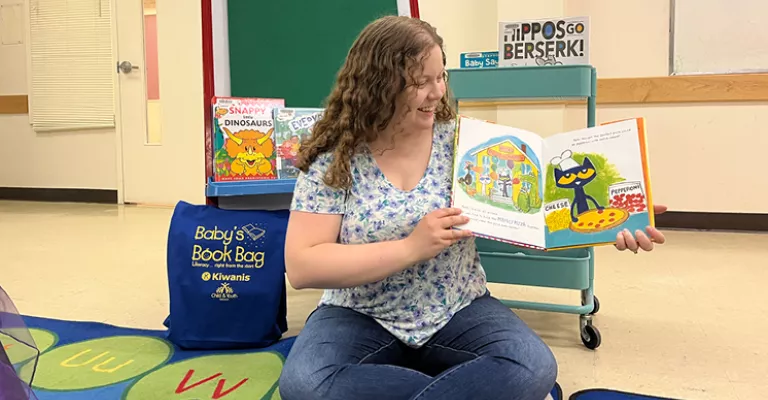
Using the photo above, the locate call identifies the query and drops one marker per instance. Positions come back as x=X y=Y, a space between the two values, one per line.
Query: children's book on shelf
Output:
x=293 y=126
x=572 y=189
x=243 y=138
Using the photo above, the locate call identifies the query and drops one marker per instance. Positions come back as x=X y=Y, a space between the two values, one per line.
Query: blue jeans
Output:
x=484 y=352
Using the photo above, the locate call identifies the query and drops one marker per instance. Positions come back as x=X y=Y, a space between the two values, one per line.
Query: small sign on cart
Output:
x=553 y=41
x=479 y=59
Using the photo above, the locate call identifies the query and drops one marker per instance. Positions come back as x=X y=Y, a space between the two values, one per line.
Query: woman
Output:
x=405 y=313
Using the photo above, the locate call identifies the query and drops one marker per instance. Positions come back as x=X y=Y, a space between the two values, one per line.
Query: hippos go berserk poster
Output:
x=244 y=138
x=551 y=41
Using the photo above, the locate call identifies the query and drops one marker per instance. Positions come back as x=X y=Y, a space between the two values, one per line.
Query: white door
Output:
x=160 y=118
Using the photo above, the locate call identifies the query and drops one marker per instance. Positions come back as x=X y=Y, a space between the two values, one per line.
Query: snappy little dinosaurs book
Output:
x=243 y=138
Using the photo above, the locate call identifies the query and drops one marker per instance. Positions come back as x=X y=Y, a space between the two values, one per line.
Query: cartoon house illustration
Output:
x=511 y=163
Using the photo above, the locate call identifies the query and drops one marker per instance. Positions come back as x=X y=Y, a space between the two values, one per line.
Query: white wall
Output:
x=718 y=147
x=83 y=160
x=88 y=159
x=49 y=160
x=181 y=93
x=13 y=70
x=704 y=157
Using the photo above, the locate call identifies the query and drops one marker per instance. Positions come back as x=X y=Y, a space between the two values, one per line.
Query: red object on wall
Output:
x=208 y=90
x=150 y=54
x=414 y=8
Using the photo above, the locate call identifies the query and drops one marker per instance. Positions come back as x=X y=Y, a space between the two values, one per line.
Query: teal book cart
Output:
x=565 y=269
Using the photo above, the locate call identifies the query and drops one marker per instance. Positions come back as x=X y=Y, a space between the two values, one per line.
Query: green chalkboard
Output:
x=292 y=49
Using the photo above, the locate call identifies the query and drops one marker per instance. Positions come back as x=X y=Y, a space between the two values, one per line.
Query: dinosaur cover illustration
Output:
x=591 y=183
x=244 y=140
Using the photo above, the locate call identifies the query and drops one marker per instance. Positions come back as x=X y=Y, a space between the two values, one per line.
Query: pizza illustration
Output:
x=599 y=220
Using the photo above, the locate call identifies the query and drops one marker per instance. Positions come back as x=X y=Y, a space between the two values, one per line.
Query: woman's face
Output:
x=420 y=100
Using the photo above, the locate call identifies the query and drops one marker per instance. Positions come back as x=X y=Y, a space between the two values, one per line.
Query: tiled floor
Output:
x=688 y=320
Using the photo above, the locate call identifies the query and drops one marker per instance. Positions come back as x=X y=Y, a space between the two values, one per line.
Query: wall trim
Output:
x=713 y=221
x=14 y=104
x=737 y=88
x=683 y=89
x=102 y=196
x=664 y=89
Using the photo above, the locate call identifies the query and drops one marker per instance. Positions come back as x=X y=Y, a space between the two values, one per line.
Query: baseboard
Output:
x=669 y=219
x=713 y=221
x=103 y=196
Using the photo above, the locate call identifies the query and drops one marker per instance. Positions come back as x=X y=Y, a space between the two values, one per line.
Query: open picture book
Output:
x=573 y=189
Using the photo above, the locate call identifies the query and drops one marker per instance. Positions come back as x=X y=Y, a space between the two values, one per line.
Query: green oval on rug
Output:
x=100 y=362
x=21 y=352
x=231 y=376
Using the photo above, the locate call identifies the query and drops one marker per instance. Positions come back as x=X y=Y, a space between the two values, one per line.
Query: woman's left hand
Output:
x=641 y=240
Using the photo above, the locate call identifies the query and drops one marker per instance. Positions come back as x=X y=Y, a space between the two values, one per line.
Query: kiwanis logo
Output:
x=218 y=276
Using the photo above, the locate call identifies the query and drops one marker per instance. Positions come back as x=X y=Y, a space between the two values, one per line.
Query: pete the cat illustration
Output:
x=571 y=175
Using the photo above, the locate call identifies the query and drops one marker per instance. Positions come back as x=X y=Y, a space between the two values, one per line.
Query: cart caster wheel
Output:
x=597 y=305
x=591 y=337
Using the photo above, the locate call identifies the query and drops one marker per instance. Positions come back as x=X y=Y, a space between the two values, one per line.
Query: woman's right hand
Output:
x=434 y=233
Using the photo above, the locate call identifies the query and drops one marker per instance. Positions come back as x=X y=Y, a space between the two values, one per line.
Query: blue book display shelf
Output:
x=249 y=188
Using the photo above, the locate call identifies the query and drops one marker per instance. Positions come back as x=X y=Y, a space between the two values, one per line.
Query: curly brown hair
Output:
x=379 y=66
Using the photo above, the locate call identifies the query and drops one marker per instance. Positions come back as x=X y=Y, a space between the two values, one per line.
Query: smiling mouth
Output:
x=427 y=109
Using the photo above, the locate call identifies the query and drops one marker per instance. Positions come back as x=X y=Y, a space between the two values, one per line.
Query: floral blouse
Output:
x=418 y=301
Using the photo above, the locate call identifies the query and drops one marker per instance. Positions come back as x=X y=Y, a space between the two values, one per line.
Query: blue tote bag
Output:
x=226 y=277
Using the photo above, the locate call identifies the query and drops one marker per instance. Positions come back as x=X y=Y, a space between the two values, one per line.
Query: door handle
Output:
x=126 y=67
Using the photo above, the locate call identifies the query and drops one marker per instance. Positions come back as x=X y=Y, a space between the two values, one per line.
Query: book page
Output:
x=496 y=182
x=596 y=184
